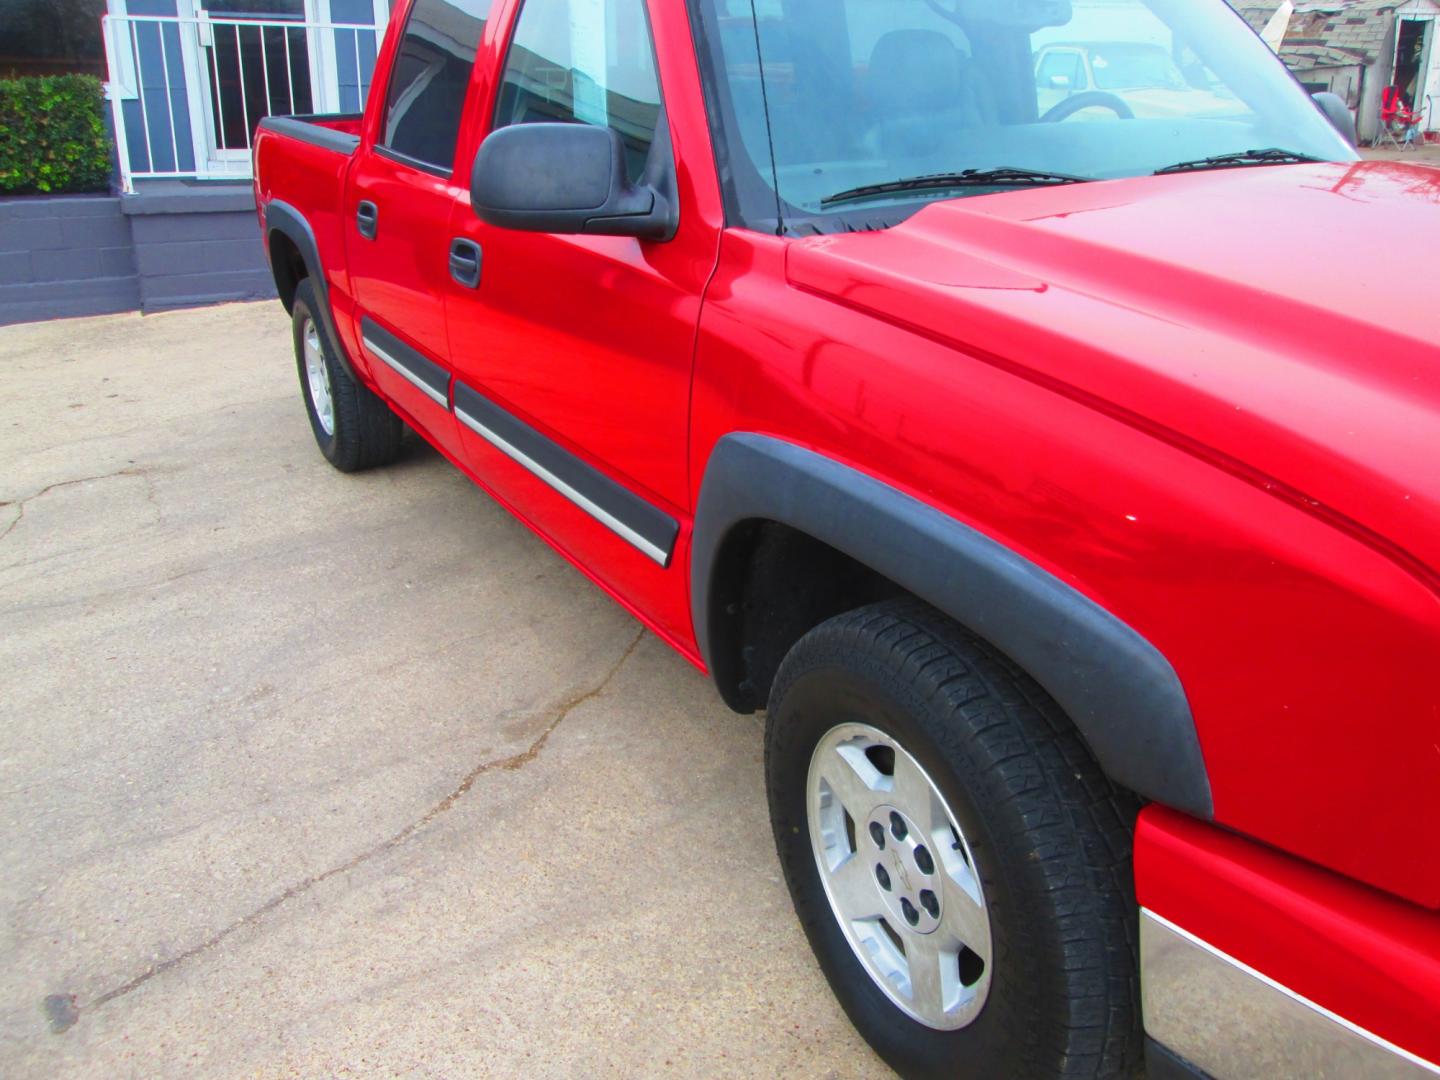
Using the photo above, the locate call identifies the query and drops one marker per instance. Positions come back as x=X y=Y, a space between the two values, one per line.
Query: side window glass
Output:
x=584 y=61
x=1060 y=70
x=430 y=75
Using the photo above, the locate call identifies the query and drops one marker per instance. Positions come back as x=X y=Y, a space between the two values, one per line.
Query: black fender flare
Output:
x=1117 y=688
x=281 y=217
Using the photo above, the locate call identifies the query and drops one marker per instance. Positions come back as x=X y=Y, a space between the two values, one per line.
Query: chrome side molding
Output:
x=645 y=526
x=404 y=372
x=418 y=370
x=1229 y=1020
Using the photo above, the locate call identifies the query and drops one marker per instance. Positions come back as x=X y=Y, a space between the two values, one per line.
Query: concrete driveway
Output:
x=1429 y=154
x=314 y=775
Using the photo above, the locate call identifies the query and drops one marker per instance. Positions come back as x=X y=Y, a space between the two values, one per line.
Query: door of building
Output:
x=260 y=58
x=1416 y=71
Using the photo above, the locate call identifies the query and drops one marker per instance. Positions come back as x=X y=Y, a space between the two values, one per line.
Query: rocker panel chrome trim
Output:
x=1229 y=1020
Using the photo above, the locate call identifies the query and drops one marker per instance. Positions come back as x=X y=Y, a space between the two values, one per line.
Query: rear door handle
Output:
x=367 y=219
x=465 y=262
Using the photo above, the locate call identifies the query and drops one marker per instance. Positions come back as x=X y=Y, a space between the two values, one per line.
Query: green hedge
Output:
x=52 y=135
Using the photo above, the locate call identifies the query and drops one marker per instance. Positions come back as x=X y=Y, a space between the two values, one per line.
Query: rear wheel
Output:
x=353 y=427
x=958 y=862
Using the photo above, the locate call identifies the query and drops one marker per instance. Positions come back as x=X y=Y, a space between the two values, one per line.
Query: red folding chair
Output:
x=1399 y=124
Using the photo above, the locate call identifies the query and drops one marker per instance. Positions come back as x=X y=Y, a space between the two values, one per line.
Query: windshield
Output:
x=821 y=97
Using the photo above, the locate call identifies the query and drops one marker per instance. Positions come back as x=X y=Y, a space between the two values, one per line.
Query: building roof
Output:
x=1329 y=33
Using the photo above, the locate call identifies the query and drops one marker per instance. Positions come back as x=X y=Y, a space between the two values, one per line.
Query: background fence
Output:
x=186 y=93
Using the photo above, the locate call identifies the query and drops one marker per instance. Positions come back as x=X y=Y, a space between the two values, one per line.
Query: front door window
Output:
x=585 y=61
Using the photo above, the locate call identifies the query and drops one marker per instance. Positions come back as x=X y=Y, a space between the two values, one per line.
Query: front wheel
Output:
x=353 y=427
x=958 y=862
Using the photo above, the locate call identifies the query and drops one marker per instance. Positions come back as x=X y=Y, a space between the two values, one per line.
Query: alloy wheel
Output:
x=900 y=876
x=318 y=377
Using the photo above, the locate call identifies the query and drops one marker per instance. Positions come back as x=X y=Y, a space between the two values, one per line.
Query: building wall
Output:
x=1346 y=82
x=173 y=245
x=197 y=245
x=1377 y=77
x=65 y=256
x=160 y=108
x=350 y=46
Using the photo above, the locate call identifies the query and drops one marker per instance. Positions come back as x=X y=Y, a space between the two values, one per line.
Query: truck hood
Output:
x=1282 y=322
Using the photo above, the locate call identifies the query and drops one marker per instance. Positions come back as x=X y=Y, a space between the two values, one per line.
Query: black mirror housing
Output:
x=567 y=178
x=1339 y=114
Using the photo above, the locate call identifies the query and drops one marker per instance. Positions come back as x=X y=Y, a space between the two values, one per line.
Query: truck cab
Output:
x=1005 y=397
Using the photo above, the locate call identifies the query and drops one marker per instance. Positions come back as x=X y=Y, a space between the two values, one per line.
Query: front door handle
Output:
x=367 y=219
x=465 y=262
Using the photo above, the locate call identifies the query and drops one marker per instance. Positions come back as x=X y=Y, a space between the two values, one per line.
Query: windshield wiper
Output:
x=1272 y=156
x=1004 y=176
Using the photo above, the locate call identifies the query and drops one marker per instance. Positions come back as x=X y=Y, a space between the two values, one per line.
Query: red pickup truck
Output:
x=1061 y=478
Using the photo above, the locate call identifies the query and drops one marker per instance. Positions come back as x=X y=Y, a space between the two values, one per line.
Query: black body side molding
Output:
x=645 y=526
x=419 y=370
x=283 y=218
x=1121 y=693
x=306 y=130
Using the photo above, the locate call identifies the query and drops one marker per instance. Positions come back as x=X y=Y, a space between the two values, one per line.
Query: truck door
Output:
x=398 y=203
x=574 y=352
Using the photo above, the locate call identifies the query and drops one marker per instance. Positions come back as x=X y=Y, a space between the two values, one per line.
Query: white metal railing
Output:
x=186 y=92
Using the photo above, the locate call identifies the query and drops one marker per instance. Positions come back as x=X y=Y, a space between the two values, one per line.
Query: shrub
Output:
x=52 y=135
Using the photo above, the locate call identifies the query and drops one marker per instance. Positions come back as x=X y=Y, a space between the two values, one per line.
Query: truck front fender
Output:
x=1120 y=692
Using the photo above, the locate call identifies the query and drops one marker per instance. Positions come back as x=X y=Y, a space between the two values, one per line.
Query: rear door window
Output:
x=429 y=78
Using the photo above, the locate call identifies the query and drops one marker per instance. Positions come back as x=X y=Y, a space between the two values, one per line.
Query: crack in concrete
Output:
x=20 y=504
x=63 y=1011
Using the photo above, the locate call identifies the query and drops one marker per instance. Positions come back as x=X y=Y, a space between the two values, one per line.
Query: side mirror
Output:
x=1339 y=114
x=1059 y=82
x=566 y=178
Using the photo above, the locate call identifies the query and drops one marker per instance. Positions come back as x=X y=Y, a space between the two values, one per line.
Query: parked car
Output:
x=1065 y=494
x=1143 y=76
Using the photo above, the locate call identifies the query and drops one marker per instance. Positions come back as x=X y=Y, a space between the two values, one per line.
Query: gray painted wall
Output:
x=71 y=255
x=197 y=244
x=175 y=246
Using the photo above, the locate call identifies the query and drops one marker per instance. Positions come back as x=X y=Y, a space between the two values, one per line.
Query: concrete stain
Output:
x=60 y=1012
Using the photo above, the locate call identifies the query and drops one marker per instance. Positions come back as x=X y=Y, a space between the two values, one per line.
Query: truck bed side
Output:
x=301 y=166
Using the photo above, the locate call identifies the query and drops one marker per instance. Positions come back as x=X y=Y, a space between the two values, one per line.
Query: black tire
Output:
x=365 y=432
x=1049 y=835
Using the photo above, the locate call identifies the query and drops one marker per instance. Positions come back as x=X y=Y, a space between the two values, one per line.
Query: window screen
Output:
x=586 y=61
x=429 y=78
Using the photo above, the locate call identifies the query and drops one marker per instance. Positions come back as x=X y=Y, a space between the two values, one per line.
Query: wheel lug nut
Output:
x=897 y=826
x=924 y=861
x=877 y=834
x=911 y=915
x=930 y=902
x=882 y=876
